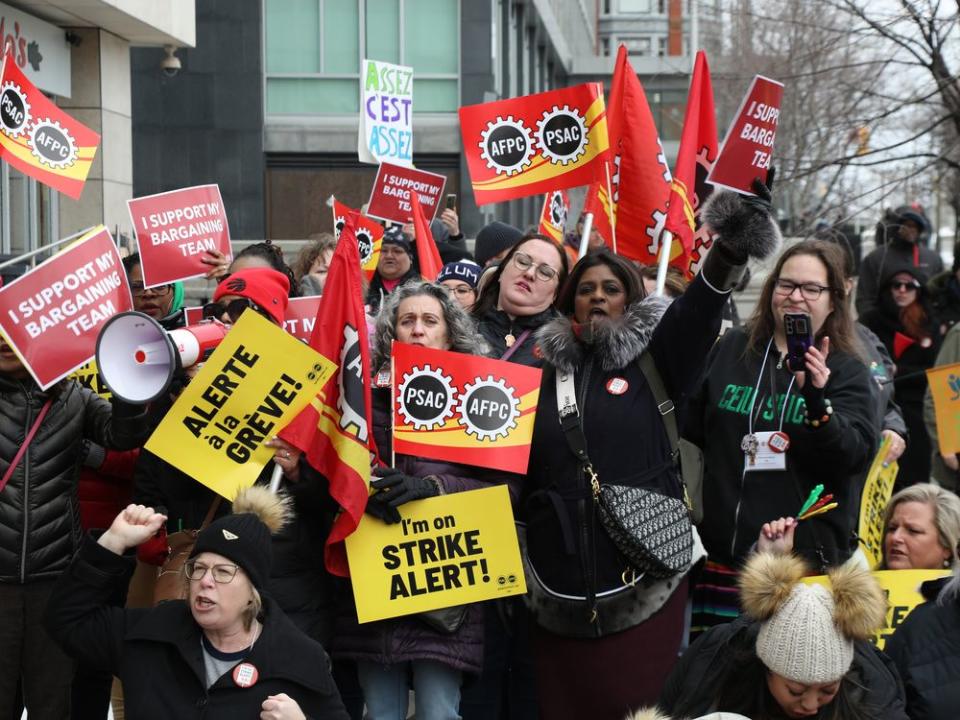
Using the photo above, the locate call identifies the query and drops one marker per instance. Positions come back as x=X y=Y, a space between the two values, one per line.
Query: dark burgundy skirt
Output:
x=607 y=678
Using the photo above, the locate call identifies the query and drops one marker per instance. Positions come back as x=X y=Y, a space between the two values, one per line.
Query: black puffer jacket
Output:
x=926 y=651
x=39 y=511
x=496 y=325
x=714 y=661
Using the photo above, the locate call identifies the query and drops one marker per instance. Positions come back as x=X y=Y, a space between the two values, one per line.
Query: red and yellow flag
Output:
x=38 y=138
x=335 y=430
x=536 y=143
x=640 y=177
x=689 y=189
x=369 y=234
x=553 y=217
x=945 y=389
x=463 y=408
x=428 y=257
x=597 y=201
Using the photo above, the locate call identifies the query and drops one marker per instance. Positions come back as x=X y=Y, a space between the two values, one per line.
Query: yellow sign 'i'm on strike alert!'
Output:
x=447 y=550
x=253 y=384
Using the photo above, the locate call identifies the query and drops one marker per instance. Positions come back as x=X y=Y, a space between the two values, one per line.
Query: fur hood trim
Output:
x=616 y=342
x=647 y=714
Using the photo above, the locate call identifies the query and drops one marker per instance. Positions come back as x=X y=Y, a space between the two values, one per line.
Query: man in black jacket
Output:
x=40 y=520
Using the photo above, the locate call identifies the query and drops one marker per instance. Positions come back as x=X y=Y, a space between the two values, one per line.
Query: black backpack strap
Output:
x=660 y=396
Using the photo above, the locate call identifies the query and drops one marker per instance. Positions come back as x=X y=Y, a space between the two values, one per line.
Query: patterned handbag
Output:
x=652 y=530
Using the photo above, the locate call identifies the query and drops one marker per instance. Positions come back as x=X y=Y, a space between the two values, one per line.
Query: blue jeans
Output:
x=386 y=690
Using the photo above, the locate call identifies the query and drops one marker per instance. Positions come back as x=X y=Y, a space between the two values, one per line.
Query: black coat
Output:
x=157 y=654
x=495 y=325
x=39 y=511
x=926 y=651
x=711 y=663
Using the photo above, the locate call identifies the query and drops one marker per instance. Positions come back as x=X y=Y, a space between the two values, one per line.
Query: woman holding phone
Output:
x=771 y=430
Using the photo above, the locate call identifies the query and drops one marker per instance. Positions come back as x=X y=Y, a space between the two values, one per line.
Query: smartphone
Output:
x=451 y=201
x=799 y=334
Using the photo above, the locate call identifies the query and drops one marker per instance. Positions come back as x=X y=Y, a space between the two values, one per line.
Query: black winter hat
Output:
x=244 y=536
x=493 y=239
x=393 y=235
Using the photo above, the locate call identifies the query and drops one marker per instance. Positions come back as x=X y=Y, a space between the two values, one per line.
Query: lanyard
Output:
x=773 y=394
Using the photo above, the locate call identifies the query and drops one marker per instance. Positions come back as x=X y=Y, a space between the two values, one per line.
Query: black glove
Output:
x=381 y=509
x=763 y=200
x=397 y=488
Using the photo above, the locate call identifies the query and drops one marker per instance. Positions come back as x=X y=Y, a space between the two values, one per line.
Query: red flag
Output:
x=640 y=177
x=38 y=138
x=335 y=429
x=369 y=235
x=553 y=217
x=689 y=189
x=427 y=254
x=900 y=344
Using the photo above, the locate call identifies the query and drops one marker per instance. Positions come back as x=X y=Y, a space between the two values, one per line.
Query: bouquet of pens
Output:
x=816 y=505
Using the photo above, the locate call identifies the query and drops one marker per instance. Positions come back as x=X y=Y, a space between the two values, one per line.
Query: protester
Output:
x=460 y=279
x=41 y=518
x=945 y=466
x=926 y=652
x=264 y=255
x=824 y=413
x=800 y=651
x=902 y=320
x=164 y=303
x=388 y=652
x=395 y=267
x=227 y=650
x=494 y=241
x=906 y=232
x=596 y=611
x=311 y=266
x=263 y=290
x=944 y=292
x=674 y=286
x=451 y=244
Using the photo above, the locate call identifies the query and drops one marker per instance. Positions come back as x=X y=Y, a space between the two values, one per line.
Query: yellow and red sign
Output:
x=877 y=489
x=553 y=217
x=534 y=144
x=463 y=408
x=38 y=138
x=369 y=236
x=945 y=389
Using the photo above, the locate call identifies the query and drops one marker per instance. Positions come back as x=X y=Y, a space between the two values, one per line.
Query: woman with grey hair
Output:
x=921 y=529
x=389 y=653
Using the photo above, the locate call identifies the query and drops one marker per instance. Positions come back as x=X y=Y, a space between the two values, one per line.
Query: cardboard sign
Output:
x=877 y=490
x=390 y=197
x=52 y=315
x=945 y=389
x=89 y=376
x=255 y=382
x=903 y=595
x=447 y=550
x=175 y=229
x=386 y=113
x=463 y=408
x=369 y=236
x=748 y=147
x=38 y=138
x=536 y=143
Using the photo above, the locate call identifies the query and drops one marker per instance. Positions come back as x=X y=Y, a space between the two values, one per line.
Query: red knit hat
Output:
x=266 y=287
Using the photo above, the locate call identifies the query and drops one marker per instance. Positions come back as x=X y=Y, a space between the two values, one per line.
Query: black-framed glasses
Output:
x=138 y=289
x=222 y=572
x=461 y=290
x=809 y=291
x=524 y=262
x=233 y=309
x=909 y=285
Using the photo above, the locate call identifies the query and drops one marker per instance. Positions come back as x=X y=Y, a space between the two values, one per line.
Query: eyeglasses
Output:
x=222 y=574
x=524 y=262
x=809 y=291
x=233 y=309
x=138 y=289
x=462 y=290
x=913 y=285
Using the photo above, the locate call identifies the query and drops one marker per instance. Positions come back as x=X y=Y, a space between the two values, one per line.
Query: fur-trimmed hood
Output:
x=616 y=342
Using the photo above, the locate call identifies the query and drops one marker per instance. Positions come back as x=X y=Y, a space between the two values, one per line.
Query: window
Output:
x=314 y=49
x=634 y=6
x=662 y=46
x=639 y=46
x=667 y=107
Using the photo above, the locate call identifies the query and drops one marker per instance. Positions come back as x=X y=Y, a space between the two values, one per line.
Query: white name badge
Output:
x=766 y=458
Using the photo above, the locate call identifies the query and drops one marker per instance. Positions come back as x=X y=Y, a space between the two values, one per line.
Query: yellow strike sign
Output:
x=89 y=376
x=945 y=388
x=877 y=490
x=902 y=588
x=253 y=384
x=447 y=550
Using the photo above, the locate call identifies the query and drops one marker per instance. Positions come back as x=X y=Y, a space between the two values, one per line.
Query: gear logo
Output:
x=562 y=135
x=350 y=403
x=14 y=110
x=364 y=245
x=506 y=146
x=52 y=145
x=488 y=409
x=426 y=398
x=655 y=231
x=557 y=209
x=338 y=223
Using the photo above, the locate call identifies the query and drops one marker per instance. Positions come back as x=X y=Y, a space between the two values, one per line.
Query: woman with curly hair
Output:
x=312 y=263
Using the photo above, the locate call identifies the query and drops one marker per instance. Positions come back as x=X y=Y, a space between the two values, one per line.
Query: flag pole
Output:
x=613 y=227
x=666 y=245
x=44 y=248
x=275 y=478
x=585 y=237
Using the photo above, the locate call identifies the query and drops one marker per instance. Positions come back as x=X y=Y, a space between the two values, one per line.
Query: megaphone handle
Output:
x=275 y=478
